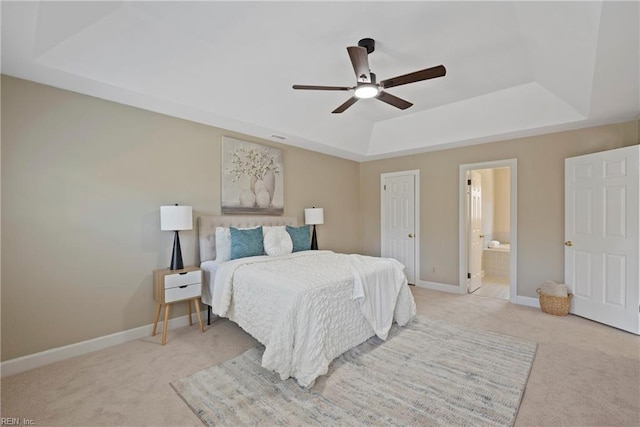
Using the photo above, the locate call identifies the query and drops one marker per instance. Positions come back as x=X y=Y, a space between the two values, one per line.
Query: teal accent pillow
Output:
x=245 y=243
x=300 y=238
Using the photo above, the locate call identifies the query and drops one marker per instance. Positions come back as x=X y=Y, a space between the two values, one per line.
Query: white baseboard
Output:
x=454 y=289
x=30 y=361
x=435 y=286
x=528 y=301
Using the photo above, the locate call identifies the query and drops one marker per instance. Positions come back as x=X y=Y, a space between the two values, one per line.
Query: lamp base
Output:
x=314 y=239
x=176 y=257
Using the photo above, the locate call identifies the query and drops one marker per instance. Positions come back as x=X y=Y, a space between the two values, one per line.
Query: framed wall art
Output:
x=252 y=178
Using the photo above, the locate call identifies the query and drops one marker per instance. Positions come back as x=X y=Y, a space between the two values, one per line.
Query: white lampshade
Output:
x=314 y=216
x=174 y=218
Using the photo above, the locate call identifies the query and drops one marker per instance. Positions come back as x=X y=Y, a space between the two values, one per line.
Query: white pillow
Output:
x=223 y=244
x=277 y=242
x=266 y=229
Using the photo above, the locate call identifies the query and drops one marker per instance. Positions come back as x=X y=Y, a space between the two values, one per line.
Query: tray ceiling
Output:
x=513 y=68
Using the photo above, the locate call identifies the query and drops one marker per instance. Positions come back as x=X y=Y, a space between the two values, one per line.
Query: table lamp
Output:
x=175 y=218
x=313 y=216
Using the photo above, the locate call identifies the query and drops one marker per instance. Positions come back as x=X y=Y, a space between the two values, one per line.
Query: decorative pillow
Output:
x=277 y=242
x=223 y=244
x=300 y=238
x=245 y=243
x=267 y=228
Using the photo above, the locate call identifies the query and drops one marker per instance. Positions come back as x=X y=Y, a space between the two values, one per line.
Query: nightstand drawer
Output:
x=179 y=293
x=175 y=280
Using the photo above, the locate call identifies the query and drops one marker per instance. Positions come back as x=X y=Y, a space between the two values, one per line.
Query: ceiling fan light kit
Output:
x=366 y=86
x=366 y=90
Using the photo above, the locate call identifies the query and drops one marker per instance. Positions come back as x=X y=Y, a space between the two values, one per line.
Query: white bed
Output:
x=306 y=308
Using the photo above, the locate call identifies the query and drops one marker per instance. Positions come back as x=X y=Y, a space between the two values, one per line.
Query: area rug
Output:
x=427 y=373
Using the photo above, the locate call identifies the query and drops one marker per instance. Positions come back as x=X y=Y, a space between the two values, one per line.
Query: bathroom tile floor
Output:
x=494 y=287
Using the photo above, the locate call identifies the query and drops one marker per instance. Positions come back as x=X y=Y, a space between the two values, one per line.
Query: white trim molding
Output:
x=435 y=286
x=455 y=289
x=31 y=361
x=528 y=301
x=513 y=233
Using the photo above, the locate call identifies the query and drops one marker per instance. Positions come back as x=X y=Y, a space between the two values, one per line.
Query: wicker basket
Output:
x=558 y=306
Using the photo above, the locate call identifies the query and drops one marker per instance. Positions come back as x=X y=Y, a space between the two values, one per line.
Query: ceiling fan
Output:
x=366 y=86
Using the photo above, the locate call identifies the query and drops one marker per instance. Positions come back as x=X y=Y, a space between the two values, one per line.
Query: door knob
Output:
x=411 y=235
x=568 y=243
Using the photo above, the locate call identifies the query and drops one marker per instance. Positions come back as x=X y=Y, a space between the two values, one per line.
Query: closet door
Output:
x=602 y=236
x=399 y=228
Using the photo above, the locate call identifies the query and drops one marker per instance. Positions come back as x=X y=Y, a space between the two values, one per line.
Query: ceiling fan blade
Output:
x=393 y=100
x=417 y=76
x=307 y=87
x=360 y=62
x=348 y=103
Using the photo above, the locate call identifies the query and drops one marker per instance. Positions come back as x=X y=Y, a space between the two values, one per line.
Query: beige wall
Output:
x=495 y=204
x=502 y=201
x=83 y=178
x=82 y=183
x=488 y=205
x=540 y=199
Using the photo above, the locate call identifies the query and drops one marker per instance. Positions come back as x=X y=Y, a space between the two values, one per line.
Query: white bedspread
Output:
x=303 y=309
x=209 y=269
x=377 y=284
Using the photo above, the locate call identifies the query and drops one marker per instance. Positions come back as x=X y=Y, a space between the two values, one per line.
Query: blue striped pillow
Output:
x=245 y=243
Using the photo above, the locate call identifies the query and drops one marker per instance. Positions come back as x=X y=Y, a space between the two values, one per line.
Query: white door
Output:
x=601 y=236
x=475 y=229
x=398 y=220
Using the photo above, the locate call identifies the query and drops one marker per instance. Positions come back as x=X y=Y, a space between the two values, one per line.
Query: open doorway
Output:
x=488 y=235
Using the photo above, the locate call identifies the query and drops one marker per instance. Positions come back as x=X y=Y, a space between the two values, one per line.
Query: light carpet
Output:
x=427 y=373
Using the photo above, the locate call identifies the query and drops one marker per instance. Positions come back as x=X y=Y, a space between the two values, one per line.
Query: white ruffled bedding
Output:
x=209 y=269
x=307 y=308
x=377 y=284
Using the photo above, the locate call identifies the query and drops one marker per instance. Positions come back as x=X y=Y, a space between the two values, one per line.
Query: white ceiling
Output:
x=513 y=68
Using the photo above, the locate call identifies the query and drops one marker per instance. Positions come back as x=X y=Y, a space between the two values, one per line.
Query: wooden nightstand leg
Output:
x=155 y=323
x=198 y=314
x=166 y=322
x=189 y=310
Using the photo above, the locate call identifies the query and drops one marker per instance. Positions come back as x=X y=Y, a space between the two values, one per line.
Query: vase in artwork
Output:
x=269 y=180
x=260 y=192
x=247 y=198
x=263 y=199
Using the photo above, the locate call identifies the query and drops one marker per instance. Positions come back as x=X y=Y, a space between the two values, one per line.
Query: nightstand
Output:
x=171 y=286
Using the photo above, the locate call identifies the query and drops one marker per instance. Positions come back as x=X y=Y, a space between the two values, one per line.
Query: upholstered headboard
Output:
x=207 y=229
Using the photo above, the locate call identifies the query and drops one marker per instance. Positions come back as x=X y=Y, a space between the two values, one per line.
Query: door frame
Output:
x=463 y=222
x=416 y=216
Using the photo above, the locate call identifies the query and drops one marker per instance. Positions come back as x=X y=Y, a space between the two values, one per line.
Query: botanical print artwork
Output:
x=252 y=178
